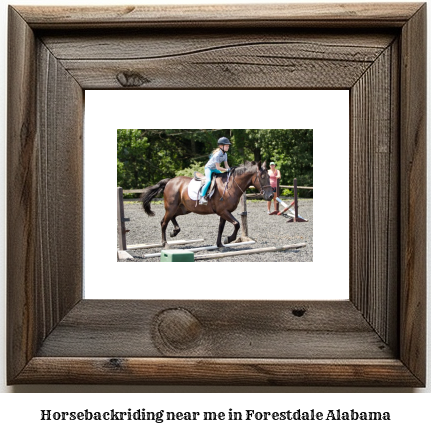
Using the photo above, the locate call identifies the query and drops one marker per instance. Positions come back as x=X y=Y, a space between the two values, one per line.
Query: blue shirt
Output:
x=218 y=157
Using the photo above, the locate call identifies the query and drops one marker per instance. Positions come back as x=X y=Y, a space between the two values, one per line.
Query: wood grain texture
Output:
x=45 y=188
x=241 y=329
x=376 y=338
x=374 y=215
x=59 y=183
x=267 y=15
x=413 y=194
x=193 y=59
x=197 y=371
x=139 y=44
x=22 y=200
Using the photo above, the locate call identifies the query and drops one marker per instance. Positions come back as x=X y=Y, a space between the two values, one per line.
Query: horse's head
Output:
x=261 y=182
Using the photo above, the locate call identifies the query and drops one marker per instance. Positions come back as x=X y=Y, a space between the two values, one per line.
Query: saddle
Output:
x=197 y=176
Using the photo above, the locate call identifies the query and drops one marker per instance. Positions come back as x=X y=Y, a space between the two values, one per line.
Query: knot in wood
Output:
x=178 y=329
x=115 y=363
x=131 y=79
x=298 y=312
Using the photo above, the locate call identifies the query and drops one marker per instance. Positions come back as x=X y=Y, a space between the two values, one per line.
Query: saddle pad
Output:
x=193 y=190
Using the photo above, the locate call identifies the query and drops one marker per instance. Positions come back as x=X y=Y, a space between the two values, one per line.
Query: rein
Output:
x=238 y=185
x=254 y=181
x=227 y=182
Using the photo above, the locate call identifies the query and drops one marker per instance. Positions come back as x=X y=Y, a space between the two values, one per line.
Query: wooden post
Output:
x=296 y=217
x=121 y=226
x=295 y=194
x=244 y=225
x=276 y=203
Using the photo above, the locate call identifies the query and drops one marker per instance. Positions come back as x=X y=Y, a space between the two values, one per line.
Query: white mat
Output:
x=193 y=189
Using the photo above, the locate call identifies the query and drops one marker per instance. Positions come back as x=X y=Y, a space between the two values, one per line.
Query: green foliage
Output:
x=145 y=156
x=132 y=161
x=188 y=172
x=286 y=193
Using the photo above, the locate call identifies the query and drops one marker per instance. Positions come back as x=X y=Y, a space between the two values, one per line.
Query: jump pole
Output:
x=250 y=251
x=170 y=243
x=286 y=207
x=199 y=249
x=121 y=230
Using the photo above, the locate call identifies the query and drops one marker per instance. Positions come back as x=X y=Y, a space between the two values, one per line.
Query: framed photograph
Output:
x=376 y=337
x=315 y=131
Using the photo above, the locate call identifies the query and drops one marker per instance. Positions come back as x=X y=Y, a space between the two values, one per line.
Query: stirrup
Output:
x=203 y=201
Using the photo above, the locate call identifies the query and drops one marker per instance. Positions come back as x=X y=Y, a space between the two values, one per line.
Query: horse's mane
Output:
x=245 y=167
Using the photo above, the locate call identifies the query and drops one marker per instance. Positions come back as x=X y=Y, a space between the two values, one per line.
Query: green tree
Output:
x=290 y=149
x=145 y=156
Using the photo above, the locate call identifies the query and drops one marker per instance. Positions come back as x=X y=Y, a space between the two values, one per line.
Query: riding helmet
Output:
x=224 y=140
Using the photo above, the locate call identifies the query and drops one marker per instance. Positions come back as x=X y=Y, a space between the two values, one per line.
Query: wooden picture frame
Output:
x=376 y=338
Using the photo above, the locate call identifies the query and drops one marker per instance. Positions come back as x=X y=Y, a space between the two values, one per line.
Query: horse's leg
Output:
x=227 y=216
x=174 y=194
x=164 y=224
x=170 y=214
x=220 y=231
x=177 y=228
x=181 y=210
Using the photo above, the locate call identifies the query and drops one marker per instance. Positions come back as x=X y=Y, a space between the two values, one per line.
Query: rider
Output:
x=218 y=156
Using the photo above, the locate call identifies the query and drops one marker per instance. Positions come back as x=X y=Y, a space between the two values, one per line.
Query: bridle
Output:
x=260 y=183
x=253 y=182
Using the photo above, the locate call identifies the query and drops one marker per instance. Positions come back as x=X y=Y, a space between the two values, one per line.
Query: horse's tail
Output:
x=150 y=193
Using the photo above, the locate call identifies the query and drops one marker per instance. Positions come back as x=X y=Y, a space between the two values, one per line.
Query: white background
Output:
x=326 y=112
x=22 y=410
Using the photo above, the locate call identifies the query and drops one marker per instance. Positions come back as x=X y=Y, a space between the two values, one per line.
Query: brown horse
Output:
x=228 y=190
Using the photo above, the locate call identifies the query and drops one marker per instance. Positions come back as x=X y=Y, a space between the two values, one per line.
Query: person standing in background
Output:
x=274 y=175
